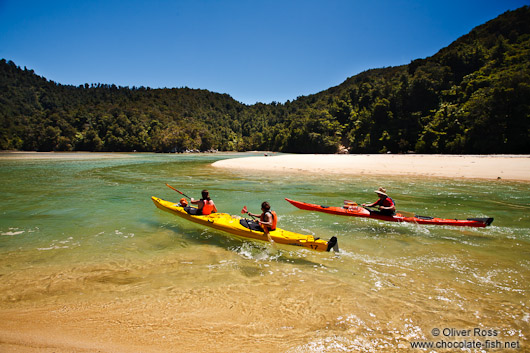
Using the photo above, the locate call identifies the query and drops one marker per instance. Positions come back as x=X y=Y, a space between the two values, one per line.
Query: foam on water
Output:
x=85 y=231
x=13 y=231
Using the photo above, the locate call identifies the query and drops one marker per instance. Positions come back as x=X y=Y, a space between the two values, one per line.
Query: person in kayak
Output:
x=386 y=205
x=267 y=219
x=183 y=203
x=205 y=206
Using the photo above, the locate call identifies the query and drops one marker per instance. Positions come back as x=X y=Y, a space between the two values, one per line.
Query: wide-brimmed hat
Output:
x=381 y=191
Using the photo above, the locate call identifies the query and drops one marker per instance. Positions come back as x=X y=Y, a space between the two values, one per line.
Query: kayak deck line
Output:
x=359 y=211
x=232 y=224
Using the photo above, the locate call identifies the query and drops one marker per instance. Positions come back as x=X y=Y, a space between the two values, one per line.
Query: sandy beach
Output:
x=507 y=167
x=510 y=167
x=91 y=265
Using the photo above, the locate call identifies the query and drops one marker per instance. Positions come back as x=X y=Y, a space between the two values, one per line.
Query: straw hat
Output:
x=381 y=191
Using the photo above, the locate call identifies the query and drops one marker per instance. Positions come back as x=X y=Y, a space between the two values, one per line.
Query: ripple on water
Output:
x=91 y=234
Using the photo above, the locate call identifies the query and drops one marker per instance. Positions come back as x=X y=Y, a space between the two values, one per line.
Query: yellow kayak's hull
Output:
x=232 y=225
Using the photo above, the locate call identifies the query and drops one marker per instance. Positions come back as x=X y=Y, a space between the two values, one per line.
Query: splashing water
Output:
x=80 y=238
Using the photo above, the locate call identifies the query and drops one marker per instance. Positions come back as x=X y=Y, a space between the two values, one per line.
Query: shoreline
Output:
x=490 y=167
x=485 y=167
x=12 y=155
x=74 y=155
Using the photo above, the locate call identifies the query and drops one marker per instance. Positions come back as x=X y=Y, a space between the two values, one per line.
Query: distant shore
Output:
x=82 y=154
x=510 y=167
x=59 y=155
x=506 y=167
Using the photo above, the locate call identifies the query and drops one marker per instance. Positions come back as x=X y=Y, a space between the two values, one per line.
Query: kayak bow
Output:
x=240 y=226
x=358 y=211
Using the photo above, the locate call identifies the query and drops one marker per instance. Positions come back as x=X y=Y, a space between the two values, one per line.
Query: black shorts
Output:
x=252 y=225
x=193 y=211
x=383 y=212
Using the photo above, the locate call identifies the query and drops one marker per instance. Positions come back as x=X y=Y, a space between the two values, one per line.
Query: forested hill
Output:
x=471 y=97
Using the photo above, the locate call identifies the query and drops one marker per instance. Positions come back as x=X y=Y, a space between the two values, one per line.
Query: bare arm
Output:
x=268 y=220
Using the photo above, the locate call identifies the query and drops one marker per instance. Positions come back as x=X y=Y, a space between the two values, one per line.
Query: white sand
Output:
x=511 y=167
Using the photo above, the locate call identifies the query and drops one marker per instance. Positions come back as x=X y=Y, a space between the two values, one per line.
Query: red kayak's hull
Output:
x=358 y=211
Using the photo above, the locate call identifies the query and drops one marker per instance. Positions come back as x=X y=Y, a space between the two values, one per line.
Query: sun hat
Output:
x=381 y=191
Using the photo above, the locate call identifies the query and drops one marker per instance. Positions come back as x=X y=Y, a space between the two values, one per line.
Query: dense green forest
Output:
x=471 y=97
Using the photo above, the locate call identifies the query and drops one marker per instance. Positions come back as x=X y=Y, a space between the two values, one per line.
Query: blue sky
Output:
x=255 y=51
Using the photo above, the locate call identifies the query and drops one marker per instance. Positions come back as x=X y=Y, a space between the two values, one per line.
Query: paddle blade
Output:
x=244 y=210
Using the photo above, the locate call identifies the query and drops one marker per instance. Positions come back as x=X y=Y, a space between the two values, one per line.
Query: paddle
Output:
x=245 y=210
x=350 y=203
x=404 y=213
x=180 y=192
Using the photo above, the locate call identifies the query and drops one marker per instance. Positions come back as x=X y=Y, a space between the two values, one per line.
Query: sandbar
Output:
x=509 y=167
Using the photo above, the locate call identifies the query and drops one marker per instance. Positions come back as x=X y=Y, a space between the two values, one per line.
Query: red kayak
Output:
x=358 y=211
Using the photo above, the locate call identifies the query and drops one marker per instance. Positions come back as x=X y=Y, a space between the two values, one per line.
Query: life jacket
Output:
x=387 y=202
x=207 y=207
x=274 y=220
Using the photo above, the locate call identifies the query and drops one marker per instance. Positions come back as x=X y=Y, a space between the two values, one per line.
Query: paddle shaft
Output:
x=254 y=218
x=244 y=210
x=180 y=192
x=404 y=213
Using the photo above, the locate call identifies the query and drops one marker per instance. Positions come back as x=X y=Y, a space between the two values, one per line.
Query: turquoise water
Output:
x=81 y=228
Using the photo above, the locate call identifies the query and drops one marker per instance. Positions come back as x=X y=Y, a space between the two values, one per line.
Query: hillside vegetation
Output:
x=471 y=97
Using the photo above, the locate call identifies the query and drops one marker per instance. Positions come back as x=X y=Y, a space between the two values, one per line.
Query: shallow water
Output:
x=80 y=236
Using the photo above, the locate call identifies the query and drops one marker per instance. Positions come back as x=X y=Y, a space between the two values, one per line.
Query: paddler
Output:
x=267 y=219
x=386 y=205
x=205 y=205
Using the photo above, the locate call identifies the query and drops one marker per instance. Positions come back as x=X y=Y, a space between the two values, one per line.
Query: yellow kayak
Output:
x=240 y=227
